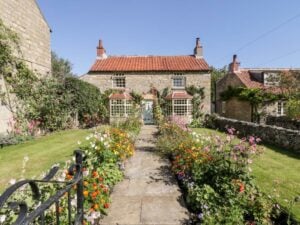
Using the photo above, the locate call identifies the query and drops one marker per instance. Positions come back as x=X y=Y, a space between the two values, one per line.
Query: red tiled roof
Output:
x=120 y=96
x=247 y=80
x=178 y=95
x=149 y=63
x=250 y=82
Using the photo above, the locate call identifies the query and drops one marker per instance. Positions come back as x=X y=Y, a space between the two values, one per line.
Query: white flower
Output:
x=26 y=158
x=85 y=173
x=87 y=138
x=79 y=142
x=101 y=139
x=12 y=181
x=73 y=202
x=2 y=218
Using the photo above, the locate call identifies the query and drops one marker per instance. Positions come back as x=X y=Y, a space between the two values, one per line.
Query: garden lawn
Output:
x=276 y=172
x=42 y=153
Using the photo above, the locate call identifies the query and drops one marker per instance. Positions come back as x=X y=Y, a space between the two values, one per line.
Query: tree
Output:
x=216 y=74
x=61 y=68
x=290 y=87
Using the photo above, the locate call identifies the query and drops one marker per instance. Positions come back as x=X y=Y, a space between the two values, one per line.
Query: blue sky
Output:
x=169 y=27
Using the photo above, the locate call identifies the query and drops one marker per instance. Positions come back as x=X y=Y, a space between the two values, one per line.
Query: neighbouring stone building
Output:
x=145 y=73
x=249 y=78
x=26 y=19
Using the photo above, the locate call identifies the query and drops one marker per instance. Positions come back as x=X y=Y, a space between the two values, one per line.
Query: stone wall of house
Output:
x=5 y=114
x=236 y=109
x=283 y=121
x=222 y=85
x=25 y=18
x=142 y=82
x=278 y=136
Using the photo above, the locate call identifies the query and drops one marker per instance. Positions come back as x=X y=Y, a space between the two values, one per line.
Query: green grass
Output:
x=276 y=172
x=42 y=153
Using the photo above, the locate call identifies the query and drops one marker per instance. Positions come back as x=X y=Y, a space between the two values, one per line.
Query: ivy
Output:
x=198 y=96
x=253 y=95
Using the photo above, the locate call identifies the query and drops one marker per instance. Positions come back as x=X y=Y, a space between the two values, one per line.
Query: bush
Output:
x=86 y=101
x=215 y=176
x=131 y=125
x=293 y=108
x=12 y=139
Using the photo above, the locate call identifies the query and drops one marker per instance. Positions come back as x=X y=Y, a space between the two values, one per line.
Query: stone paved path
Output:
x=149 y=193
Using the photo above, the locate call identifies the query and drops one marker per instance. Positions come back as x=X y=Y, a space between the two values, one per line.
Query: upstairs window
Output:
x=271 y=79
x=119 y=81
x=178 y=81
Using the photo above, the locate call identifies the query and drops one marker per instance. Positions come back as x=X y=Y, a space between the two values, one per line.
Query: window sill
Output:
x=178 y=88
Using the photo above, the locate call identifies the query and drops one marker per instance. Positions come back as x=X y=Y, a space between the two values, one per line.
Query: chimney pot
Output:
x=101 y=53
x=198 y=51
x=234 y=66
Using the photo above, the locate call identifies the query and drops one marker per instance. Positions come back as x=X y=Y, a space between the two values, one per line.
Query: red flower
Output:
x=242 y=187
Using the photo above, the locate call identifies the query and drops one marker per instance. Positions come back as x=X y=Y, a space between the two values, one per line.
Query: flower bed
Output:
x=215 y=176
x=105 y=153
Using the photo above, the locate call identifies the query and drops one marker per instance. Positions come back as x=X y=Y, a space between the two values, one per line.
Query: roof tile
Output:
x=149 y=63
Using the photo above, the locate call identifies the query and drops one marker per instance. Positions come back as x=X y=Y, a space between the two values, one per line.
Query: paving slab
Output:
x=149 y=194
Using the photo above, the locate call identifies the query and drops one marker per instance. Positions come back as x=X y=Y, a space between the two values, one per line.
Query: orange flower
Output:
x=85 y=193
x=95 y=174
x=106 y=205
x=85 y=183
x=96 y=206
x=94 y=194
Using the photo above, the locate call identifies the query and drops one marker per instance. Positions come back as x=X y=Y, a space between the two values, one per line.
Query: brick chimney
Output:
x=235 y=65
x=101 y=53
x=198 y=50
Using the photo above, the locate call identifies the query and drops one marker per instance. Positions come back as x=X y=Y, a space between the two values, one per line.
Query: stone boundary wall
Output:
x=283 y=121
x=278 y=136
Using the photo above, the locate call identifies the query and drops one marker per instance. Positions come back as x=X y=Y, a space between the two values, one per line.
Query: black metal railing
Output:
x=37 y=215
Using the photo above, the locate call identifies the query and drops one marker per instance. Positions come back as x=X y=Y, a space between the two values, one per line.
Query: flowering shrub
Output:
x=180 y=121
x=102 y=168
x=105 y=153
x=215 y=175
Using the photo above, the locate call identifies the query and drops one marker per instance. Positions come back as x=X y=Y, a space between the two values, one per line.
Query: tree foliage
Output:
x=86 y=99
x=61 y=67
x=49 y=103
x=216 y=74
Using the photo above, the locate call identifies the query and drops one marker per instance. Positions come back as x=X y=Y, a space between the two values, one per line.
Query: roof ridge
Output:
x=145 y=56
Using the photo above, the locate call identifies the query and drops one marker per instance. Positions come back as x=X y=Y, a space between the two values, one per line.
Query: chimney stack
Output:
x=101 y=53
x=198 y=50
x=235 y=65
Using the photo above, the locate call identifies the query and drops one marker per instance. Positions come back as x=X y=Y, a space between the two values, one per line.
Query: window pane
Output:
x=119 y=82
x=178 y=82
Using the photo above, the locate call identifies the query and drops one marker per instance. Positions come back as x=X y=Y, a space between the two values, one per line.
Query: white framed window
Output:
x=120 y=108
x=281 y=108
x=178 y=81
x=182 y=107
x=118 y=81
x=223 y=106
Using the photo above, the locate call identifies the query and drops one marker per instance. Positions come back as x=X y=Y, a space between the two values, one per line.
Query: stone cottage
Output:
x=265 y=79
x=142 y=74
x=26 y=19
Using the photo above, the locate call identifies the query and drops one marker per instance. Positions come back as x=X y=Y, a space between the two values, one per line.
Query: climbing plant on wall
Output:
x=254 y=96
x=198 y=96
